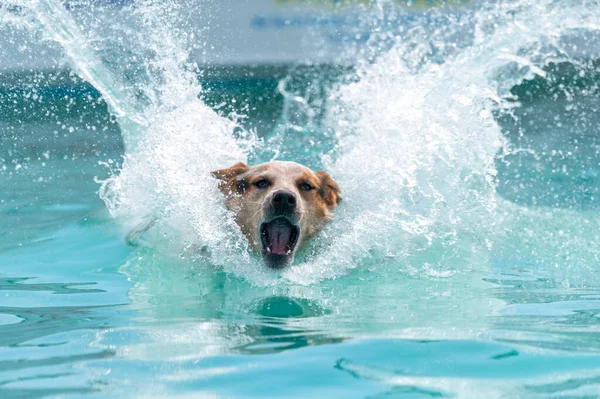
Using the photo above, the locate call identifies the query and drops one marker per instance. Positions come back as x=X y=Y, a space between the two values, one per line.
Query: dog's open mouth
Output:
x=279 y=238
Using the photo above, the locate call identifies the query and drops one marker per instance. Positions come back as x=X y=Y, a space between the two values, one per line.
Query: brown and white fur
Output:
x=279 y=206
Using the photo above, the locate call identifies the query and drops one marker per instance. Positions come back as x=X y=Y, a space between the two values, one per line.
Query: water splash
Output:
x=418 y=141
x=61 y=27
x=415 y=138
x=140 y=68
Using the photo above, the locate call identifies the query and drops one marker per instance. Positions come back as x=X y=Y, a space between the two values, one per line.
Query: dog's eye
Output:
x=263 y=183
x=306 y=187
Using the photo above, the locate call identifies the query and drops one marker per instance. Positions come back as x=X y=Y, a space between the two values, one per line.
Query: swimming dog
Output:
x=279 y=206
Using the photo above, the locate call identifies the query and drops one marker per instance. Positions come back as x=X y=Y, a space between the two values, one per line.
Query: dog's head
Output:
x=278 y=205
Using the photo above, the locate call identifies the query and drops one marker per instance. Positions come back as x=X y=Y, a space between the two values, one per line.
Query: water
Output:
x=462 y=261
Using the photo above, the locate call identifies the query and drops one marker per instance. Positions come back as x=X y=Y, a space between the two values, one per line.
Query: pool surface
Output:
x=462 y=262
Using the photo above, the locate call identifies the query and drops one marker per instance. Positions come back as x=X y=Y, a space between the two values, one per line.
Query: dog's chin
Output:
x=279 y=238
x=277 y=262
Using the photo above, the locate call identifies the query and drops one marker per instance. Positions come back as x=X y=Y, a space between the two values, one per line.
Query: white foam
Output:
x=168 y=177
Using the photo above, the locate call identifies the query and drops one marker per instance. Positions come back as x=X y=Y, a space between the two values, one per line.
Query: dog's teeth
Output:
x=268 y=249
x=288 y=252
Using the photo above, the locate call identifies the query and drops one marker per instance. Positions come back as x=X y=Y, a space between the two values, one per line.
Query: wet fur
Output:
x=250 y=204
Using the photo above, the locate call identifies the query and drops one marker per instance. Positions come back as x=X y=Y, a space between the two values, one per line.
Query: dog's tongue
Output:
x=279 y=237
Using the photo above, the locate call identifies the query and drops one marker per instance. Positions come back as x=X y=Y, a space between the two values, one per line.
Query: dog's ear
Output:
x=228 y=178
x=329 y=189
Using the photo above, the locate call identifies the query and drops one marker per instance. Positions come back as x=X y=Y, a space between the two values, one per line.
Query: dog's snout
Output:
x=284 y=202
x=284 y=197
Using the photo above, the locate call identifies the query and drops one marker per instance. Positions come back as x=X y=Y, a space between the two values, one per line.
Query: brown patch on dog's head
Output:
x=278 y=205
x=229 y=183
x=329 y=189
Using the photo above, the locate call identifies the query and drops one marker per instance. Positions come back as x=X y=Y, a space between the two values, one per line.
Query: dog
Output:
x=279 y=206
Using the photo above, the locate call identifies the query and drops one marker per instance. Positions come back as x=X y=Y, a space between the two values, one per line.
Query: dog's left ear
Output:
x=329 y=189
x=228 y=181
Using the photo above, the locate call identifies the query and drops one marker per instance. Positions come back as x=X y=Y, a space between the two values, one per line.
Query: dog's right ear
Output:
x=229 y=183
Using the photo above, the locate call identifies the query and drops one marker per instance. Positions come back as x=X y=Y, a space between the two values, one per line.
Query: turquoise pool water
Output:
x=462 y=262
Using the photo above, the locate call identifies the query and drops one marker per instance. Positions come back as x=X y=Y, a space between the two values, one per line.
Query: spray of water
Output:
x=418 y=142
x=416 y=139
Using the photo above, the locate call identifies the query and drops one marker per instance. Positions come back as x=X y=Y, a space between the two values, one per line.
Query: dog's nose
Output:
x=284 y=202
